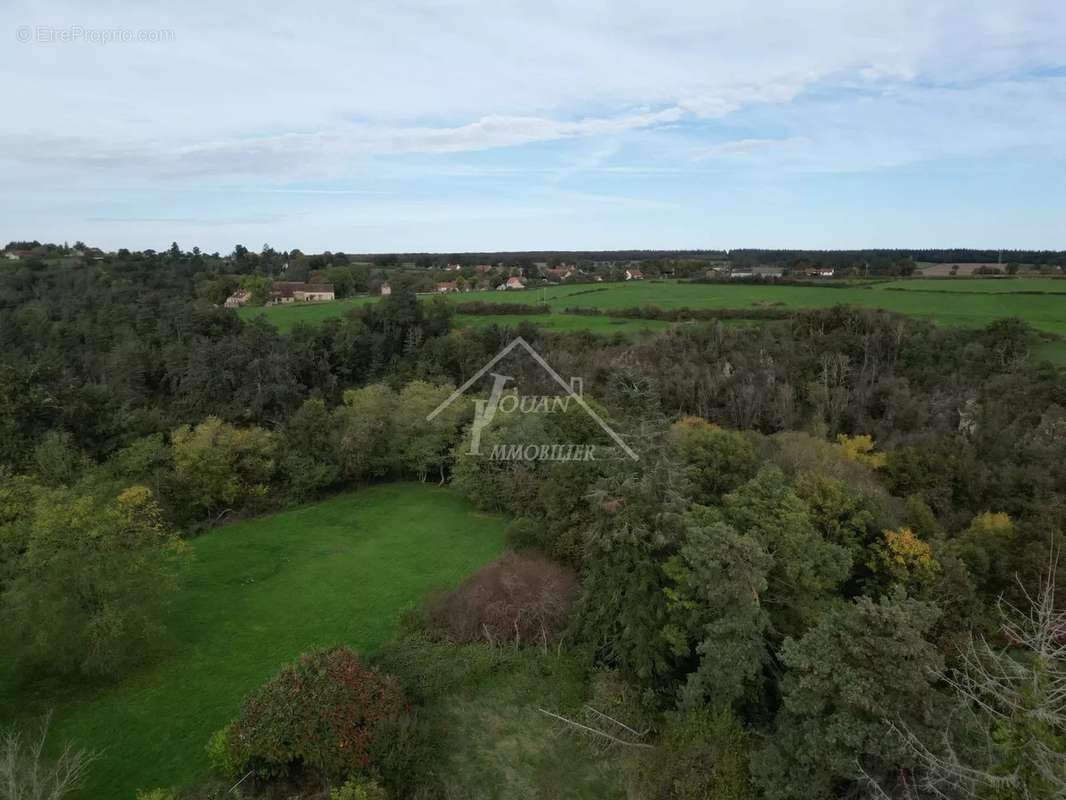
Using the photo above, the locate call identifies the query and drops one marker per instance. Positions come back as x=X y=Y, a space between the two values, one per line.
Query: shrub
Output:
x=521 y=598
x=429 y=669
x=359 y=790
x=323 y=714
x=702 y=755
x=219 y=756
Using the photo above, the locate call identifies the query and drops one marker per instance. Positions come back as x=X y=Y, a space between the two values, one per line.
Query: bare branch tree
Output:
x=1006 y=737
x=25 y=773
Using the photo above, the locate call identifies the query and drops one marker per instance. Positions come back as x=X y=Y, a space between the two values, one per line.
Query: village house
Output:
x=386 y=290
x=634 y=275
x=511 y=283
x=765 y=273
x=820 y=272
x=293 y=292
x=447 y=286
x=560 y=273
x=237 y=299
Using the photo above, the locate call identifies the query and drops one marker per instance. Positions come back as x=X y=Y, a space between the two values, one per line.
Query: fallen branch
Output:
x=614 y=739
x=616 y=722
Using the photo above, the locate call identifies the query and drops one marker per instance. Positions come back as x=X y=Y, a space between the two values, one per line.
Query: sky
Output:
x=482 y=125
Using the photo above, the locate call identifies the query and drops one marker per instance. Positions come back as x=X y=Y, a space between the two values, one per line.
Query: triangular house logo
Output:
x=485 y=410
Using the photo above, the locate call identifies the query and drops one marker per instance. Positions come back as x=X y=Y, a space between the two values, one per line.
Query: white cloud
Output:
x=264 y=93
x=744 y=147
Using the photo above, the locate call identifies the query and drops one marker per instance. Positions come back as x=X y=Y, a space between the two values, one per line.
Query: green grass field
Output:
x=564 y=322
x=286 y=316
x=989 y=285
x=964 y=302
x=256 y=595
x=1044 y=312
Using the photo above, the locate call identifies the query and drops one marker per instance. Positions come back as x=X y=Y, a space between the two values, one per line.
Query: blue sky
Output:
x=452 y=125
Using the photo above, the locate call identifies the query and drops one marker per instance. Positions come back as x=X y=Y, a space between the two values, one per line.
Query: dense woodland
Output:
x=829 y=574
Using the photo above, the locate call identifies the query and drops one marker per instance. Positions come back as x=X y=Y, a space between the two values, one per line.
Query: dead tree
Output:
x=1005 y=738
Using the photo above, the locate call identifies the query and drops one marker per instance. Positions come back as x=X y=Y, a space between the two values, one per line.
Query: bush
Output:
x=521 y=598
x=429 y=669
x=323 y=714
x=359 y=790
x=219 y=756
x=702 y=755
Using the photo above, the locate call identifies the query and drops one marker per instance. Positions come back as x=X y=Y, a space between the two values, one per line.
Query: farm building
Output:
x=293 y=292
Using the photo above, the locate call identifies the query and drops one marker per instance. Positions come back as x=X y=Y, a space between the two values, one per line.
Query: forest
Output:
x=831 y=573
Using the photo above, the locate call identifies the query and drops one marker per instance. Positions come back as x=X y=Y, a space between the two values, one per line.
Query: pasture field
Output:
x=990 y=285
x=1043 y=311
x=564 y=322
x=964 y=302
x=255 y=595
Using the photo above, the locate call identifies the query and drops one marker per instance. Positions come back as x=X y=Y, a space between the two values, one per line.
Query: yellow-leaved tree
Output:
x=901 y=557
x=861 y=448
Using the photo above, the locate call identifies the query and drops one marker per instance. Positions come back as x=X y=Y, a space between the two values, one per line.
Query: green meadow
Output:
x=964 y=302
x=255 y=595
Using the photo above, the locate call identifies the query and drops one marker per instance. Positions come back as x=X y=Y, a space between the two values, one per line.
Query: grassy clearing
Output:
x=256 y=595
x=502 y=747
x=481 y=706
x=285 y=317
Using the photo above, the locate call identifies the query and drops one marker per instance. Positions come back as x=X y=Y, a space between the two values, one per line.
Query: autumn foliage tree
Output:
x=519 y=599
x=324 y=716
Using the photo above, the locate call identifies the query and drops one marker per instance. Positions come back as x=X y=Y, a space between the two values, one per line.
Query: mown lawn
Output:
x=256 y=595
